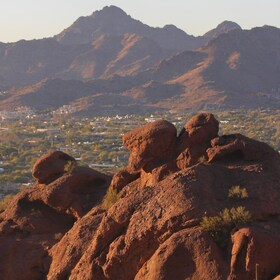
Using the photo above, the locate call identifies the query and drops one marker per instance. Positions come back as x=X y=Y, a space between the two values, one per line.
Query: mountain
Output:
x=189 y=205
x=241 y=67
x=105 y=43
x=224 y=27
x=27 y=62
x=114 y=21
x=109 y=63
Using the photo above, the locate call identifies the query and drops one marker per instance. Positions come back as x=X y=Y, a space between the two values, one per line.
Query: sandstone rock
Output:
x=153 y=230
x=195 y=138
x=150 y=144
x=51 y=166
x=123 y=178
x=187 y=254
x=202 y=128
x=39 y=217
x=237 y=146
x=75 y=194
x=255 y=250
x=68 y=251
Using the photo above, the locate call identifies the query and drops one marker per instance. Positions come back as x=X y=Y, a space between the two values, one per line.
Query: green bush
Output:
x=237 y=192
x=220 y=226
x=109 y=199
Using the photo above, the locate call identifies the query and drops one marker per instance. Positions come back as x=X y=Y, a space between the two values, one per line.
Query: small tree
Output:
x=220 y=226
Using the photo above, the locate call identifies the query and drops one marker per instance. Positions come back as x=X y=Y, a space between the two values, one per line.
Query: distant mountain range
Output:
x=109 y=62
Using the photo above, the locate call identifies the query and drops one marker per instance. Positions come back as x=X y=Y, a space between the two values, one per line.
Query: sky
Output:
x=35 y=19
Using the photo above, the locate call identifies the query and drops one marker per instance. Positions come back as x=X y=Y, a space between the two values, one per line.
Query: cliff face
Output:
x=153 y=228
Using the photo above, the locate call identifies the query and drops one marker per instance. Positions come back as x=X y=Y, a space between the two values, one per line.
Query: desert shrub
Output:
x=109 y=199
x=70 y=166
x=202 y=159
x=237 y=192
x=220 y=226
x=4 y=203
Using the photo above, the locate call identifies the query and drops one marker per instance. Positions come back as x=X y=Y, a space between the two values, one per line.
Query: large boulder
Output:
x=40 y=216
x=76 y=193
x=202 y=128
x=237 y=146
x=195 y=138
x=68 y=251
x=150 y=145
x=255 y=248
x=51 y=166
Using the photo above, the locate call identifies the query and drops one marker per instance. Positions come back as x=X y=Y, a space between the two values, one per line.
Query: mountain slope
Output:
x=123 y=55
x=106 y=43
x=114 y=21
x=222 y=28
x=237 y=68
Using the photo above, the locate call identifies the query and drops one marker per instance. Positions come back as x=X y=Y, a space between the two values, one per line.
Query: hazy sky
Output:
x=29 y=19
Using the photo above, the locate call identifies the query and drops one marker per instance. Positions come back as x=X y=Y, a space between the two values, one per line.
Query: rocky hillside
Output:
x=240 y=68
x=98 y=46
x=189 y=205
x=223 y=28
x=106 y=43
x=112 y=20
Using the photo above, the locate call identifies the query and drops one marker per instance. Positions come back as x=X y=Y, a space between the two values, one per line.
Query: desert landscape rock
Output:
x=51 y=166
x=59 y=229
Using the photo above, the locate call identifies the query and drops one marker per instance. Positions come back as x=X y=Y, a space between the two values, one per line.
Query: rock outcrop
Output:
x=152 y=230
x=40 y=216
x=51 y=166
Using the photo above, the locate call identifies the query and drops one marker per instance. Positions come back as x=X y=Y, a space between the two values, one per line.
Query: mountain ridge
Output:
x=236 y=67
x=240 y=67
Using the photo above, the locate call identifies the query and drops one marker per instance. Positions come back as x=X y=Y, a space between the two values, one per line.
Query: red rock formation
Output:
x=51 y=166
x=150 y=145
x=153 y=231
x=40 y=216
x=72 y=246
x=195 y=138
x=254 y=251
x=123 y=178
x=239 y=147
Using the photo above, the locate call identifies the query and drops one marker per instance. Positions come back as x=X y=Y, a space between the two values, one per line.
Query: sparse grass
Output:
x=220 y=226
x=109 y=199
x=5 y=202
x=70 y=166
x=237 y=192
x=202 y=159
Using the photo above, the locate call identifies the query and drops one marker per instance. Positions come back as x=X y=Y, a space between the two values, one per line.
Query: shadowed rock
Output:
x=255 y=247
x=237 y=146
x=51 y=166
x=195 y=138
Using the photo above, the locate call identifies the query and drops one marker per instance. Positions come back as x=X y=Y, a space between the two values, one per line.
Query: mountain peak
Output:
x=110 y=11
x=224 y=27
x=228 y=25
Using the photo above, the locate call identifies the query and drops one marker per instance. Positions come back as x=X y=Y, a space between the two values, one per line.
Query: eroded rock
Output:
x=152 y=230
x=150 y=145
x=51 y=166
